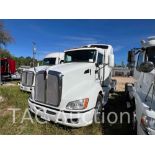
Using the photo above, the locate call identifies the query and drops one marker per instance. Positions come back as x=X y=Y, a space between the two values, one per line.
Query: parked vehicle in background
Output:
x=28 y=75
x=16 y=76
x=7 y=68
x=53 y=58
x=141 y=93
x=74 y=93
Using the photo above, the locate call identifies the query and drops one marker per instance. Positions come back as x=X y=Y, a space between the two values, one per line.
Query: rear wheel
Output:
x=98 y=110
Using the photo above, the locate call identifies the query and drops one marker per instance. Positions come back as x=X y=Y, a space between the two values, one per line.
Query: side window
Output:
x=150 y=55
x=100 y=58
x=139 y=60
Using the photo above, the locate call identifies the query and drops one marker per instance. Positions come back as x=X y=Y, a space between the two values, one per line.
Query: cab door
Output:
x=138 y=75
x=100 y=66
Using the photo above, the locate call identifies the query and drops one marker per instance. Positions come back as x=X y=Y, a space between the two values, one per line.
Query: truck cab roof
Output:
x=149 y=42
x=100 y=47
x=54 y=54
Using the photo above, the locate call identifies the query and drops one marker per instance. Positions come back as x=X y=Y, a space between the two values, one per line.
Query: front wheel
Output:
x=98 y=110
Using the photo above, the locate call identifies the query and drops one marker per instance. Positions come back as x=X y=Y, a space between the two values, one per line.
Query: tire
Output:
x=134 y=123
x=32 y=114
x=98 y=110
x=112 y=90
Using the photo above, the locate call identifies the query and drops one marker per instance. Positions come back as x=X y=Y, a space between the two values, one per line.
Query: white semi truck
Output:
x=74 y=93
x=142 y=92
x=28 y=75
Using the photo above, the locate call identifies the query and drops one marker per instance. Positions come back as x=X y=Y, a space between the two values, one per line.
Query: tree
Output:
x=123 y=65
x=5 y=37
x=5 y=54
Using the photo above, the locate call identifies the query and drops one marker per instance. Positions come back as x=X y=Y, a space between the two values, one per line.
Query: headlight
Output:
x=78 y=104
x=147 y=122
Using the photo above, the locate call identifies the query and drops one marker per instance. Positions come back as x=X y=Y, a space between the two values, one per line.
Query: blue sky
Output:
x=58 y=35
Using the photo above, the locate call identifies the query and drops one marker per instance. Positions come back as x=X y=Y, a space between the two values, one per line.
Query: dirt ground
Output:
x=121 y=82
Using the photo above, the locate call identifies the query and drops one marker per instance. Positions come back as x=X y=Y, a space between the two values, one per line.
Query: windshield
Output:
x=49 y=61
x=80 y=56
x=150 y=54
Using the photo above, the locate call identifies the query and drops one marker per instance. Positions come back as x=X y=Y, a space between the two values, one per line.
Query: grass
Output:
x=14 y=98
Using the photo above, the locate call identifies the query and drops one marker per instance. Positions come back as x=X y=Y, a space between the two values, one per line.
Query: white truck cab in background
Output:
x=28 y=75
x=143 y=91
x=74 y=93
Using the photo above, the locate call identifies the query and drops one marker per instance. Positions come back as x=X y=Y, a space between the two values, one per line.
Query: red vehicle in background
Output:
x=7 y=68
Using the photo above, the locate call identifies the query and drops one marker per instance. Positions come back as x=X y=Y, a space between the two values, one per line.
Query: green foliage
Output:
x=5 y=37
x=5 y=54
x=24 y=61
x=20 y=61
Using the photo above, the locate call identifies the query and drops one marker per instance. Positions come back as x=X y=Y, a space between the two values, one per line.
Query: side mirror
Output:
x=62 y=61
x=131 y=58
x=96 y=64
x=146 y=67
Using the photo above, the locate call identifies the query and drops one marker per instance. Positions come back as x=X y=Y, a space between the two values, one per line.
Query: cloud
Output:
x=81 y=39
x=75 y=41
x=118 y=48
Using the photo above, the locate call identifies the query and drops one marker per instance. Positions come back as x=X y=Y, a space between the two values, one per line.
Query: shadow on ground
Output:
x=117 y=104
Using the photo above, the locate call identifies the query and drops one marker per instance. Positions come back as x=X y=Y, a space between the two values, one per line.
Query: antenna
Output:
x=34 y=53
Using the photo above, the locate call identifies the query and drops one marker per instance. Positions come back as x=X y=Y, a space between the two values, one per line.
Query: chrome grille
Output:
x=40 y=87
x=30 y=76
x=24 y=77
x=48 y=91
x=27 y=78
x=52 y=90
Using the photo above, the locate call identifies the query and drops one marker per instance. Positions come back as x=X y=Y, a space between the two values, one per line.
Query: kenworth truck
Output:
x=74 y=93
x=28 y=75
x=142 y=93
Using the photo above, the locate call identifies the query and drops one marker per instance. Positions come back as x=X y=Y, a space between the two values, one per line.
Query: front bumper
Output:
x=25 y=88
x=72 y=119
x=6 y=77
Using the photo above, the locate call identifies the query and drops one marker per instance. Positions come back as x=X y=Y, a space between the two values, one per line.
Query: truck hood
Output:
x=37 y=68
x=71 y=67
x=75 y=79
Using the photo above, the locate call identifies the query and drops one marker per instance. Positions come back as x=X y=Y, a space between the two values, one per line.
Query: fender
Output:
x=89 y=90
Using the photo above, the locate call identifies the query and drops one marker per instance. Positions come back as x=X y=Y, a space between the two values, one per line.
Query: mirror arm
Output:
x=99 y=68
x=137 y=50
